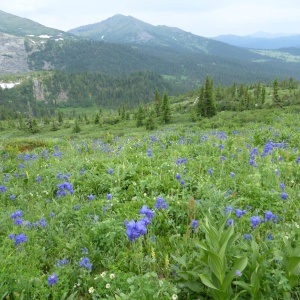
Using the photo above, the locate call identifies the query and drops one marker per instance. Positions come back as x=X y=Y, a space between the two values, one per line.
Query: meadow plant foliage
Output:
x=178 y=214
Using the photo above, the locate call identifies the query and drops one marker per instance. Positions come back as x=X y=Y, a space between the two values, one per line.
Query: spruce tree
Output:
x=276 y=98
x=150 y=121
x=140 y=115
x=157 y=103
x=210 y=105
x=165 y=109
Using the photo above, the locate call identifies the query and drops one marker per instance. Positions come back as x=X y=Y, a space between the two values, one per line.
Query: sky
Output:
x=208 y=18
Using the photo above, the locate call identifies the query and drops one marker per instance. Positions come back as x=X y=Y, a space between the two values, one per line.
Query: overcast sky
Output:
x=202 y=17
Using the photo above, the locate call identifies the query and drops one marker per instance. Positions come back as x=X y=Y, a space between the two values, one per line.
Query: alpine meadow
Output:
x=144 y=162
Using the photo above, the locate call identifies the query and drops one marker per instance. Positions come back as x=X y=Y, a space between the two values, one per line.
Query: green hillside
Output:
x=17 y=26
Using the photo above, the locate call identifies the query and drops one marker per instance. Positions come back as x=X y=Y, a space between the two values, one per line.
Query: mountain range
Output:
x=261 y=40
x=123 y=44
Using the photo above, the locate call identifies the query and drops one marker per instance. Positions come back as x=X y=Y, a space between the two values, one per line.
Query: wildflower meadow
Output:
x=177 y=213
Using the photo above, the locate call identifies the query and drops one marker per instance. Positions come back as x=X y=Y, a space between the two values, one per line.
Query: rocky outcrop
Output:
x=13 y=56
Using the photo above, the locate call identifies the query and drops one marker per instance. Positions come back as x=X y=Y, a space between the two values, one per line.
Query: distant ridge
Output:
x=14 y=25
x=261 y=40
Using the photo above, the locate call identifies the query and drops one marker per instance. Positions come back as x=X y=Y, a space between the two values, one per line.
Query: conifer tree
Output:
x=211 y=108
x=123 y=111
x=150 y=121
x=276 y=98
x=157 y=103
x=165 y=109
x=140 y=115
x=206 y=104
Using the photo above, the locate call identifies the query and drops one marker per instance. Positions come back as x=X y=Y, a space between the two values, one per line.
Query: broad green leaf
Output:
x=243 y=284
x=239 y=264
x=180 y=260
x=216 y=264
x=205 y=280
x=194 y=286
x=293 y=264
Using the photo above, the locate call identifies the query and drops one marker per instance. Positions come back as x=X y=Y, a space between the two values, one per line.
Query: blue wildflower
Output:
x=3 y=188
x=52 y=279
x=16 y=214
x=284 y=195
x=20 y=238
x=108 y=196
x=229 y=222
x=160 y=203
x=62 y=262
x=177 y=176
x=255 y=220
x=247 y=236
x=91 y=197
x=110 y=171
x=194 y=224
x=147 y=211
x=85 y=262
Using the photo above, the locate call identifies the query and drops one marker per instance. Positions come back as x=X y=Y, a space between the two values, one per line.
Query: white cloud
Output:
x=208 y=18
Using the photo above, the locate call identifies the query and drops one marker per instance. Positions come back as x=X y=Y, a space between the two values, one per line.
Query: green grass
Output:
x=211 y=157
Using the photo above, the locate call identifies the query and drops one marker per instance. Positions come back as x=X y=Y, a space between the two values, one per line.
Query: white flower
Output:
x=91 y=290
x=103 y=274
x=174 y=297
x=112 y=276
x=107 y=286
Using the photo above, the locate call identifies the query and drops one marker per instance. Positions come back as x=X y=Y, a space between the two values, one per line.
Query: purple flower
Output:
x=254 y=220
x=160 y=203
x=223 y=157
x=84 y=250
x=281 y=185
x=108 y=196
x=177 y=176
x=229 y=209
x=210 y=171
x=284 y=195
x=110 y=171
x=247 y=236
x=11 y=236
x=52 y=214
x=238 y=273
x=39 y=179
x=85 y=262
x=91 y=197
x=21 y=238
x=239 y=212
x=3 y=188
x=269 y=236
x=194 y=224
x=52 y=279
x=147 y=211
x=62 y=262
x=232 y=174
x=182 y=182
x=12 y=197
x=268 y=215
x=18 y=221
x=229 y=222
x=16 y=214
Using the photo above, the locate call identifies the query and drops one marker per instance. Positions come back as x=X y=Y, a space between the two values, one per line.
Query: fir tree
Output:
x=150 y=121
x=276 y=98
x=165 y=109
x=140 y=115
x=76 y=128
x=157 y=103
